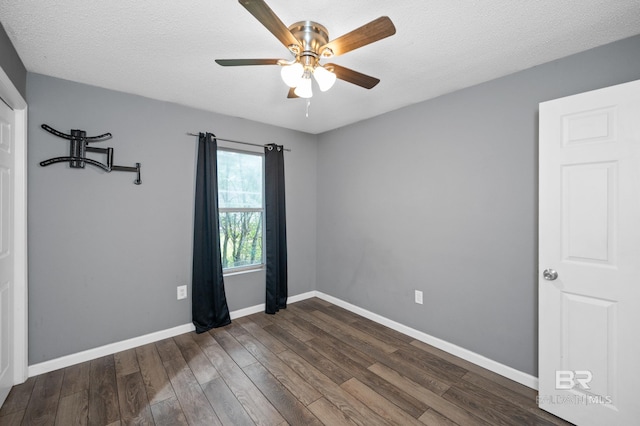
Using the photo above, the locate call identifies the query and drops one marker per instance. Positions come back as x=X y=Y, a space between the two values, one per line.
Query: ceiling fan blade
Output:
x=291 y=94
x=266 y=16
x=366 y=34
x=353 y=77
x=243 y=62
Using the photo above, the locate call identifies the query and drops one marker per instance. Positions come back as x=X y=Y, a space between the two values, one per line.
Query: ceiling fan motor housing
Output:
x=312 y=36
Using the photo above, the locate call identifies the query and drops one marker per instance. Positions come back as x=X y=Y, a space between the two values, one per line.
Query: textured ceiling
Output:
x=166 y=49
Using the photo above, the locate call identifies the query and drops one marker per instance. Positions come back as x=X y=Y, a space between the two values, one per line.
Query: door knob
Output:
x=549 y=274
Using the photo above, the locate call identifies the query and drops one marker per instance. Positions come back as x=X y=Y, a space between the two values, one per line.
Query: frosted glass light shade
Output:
x=292 y=74
x=324 y=77
x=303 y=89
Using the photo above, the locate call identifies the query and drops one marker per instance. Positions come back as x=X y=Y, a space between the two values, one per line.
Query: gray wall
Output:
x=441 y=197
x=105 y=255
x=11 y=63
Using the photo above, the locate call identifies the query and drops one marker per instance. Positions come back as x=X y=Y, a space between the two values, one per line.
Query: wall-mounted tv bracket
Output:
x=78 y=152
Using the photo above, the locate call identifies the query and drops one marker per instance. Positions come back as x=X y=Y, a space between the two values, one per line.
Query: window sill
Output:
x=241 y=271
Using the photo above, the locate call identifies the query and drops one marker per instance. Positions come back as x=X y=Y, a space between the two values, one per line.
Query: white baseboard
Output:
x=489 y=364
x=261 y=307
x=498 y=368
x=111 y=348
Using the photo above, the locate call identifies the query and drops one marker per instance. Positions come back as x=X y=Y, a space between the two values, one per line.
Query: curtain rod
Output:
x=240 y=142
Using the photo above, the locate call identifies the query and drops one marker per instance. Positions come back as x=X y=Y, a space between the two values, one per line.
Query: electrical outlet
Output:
x=419 y=297
x=182 y=292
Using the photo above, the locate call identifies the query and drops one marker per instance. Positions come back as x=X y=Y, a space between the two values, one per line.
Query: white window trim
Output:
x=226 y=272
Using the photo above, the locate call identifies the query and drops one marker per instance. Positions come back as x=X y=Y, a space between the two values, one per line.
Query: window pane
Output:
x=240 y=239
x=239 y=180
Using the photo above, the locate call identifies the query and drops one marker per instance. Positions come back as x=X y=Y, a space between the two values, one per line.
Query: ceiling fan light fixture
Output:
x=303 y=90
x=324 y=77
x=292 y=74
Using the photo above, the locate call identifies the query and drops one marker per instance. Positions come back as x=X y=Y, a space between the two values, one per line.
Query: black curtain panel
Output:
x=208 y=300
x=276 y=229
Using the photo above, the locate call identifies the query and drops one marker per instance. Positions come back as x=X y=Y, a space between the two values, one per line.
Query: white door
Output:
x=589 y=237
x=6 y=249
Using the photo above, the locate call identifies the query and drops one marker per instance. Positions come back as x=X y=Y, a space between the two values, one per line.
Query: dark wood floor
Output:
x=313 y=363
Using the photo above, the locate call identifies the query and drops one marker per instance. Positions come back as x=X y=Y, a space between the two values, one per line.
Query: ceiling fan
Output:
x=309 y=42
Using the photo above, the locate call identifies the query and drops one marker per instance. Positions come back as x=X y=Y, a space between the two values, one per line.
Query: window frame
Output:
x=257 y=266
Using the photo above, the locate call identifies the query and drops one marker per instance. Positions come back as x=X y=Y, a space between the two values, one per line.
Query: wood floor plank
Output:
x=261 y=319
x=202 y=339
x=354 y=334
x=43 y=404
x=339 y=314
x=347 y=337
x=168 y=413
x=103 y=392
x=499 y=412
x=254 y=402
x=168 y=350
x=12 y=419
x=294 y=412
x=76 y=378
x=516 y=398
x=18 y=397
x=433 y=400
x=194 y=403
x=196 y=407
x=287 y=323
x=330 y=369
x=355 y=410
x=126 y=362
x=427 y=378
x=236 y=351
x=154 y=375
x=356 y=338
x=234 y=329
x=73 y=409
x=289 y=378
x=382 y=332
x=314 y=303
x=335 y=352
x=338 y=352
x=395 y=395
x=132 y=398
x=179 y=373
x=217 y=355
x=380 y=405
x=418 y=373
x=469 y=366
x=200 y=365
x=225 y=404
x=329 y=414
x=433 y=418
x=436 y=366
x=265 y=338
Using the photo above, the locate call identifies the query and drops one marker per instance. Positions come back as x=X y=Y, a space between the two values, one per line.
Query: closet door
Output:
x=589 y=256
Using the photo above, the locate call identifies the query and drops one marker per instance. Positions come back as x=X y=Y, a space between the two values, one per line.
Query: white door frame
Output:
x=10 y=94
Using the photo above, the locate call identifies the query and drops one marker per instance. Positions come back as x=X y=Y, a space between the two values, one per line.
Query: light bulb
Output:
x=303 y=89
x=324 y=77
x=291 y=74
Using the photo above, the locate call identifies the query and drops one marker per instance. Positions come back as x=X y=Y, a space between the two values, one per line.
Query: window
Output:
x=241 y=208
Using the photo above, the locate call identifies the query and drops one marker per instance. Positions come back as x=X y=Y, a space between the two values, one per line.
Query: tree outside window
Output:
x=241 y=208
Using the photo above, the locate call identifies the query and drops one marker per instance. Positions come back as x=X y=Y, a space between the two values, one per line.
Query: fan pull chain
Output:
x=308 y=104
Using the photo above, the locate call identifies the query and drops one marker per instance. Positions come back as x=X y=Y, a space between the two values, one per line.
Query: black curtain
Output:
x=276 y=230
x=208 y=300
